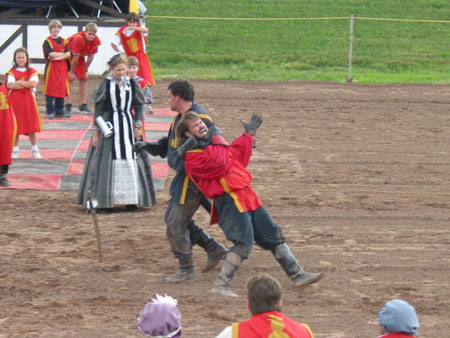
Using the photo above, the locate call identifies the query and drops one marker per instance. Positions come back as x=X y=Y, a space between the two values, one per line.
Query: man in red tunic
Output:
x=82 y=46
x=264 y=303
x=133 y=39
x=7 y=134
x=219 y=170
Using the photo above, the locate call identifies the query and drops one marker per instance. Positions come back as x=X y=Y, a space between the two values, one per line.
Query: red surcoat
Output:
x=134 y=46
x=24 y=104
x=56 y=82
x=271 y=324
x=220 y=169
x=78 y=44
x=7 y=127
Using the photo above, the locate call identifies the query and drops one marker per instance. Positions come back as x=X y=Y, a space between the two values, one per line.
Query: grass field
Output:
x=240 y=40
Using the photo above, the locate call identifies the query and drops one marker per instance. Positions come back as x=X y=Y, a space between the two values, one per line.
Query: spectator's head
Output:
x=133 y=18
x=21 y=59
x=160 y=318
x=54 y=27
x=133 y=66
x=90 y=31
x=397 y=316
x=263 y=294
x=182 y=88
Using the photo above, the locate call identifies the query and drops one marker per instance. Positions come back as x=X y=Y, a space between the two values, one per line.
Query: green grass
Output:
x=293 y=50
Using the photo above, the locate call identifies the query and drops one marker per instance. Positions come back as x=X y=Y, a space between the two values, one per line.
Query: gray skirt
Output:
x=116 y=182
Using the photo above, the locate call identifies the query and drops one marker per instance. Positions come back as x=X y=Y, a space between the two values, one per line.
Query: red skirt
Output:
x=26 y=111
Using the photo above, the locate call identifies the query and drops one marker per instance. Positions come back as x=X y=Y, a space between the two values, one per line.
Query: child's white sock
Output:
x=16 y=148
x=34 y=147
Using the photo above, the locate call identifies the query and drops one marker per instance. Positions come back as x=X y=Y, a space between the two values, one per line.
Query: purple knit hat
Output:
x=160 y=318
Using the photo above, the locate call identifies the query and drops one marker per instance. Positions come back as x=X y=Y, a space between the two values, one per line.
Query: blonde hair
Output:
x=91 y=27
x=54 y=23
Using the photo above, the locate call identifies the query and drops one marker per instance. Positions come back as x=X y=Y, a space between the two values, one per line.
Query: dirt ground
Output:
x=356 y=175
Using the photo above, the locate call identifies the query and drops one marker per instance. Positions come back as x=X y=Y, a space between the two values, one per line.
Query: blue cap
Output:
x=399 y=316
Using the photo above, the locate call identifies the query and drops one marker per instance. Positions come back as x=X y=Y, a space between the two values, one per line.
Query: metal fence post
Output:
x=350 y=52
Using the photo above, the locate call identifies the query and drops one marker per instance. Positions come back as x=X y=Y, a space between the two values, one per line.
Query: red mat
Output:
x=63 y=144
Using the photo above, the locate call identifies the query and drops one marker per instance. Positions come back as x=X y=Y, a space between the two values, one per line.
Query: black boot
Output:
x=222 y=284
x=185 y=271
x=293 y=269
x=214 y=250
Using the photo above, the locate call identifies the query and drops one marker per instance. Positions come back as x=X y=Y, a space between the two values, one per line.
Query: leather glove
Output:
x=252 y=126
x=214 y=130
x=189 y=144
x=154 y=148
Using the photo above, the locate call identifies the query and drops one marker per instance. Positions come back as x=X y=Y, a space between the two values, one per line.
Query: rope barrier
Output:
x=294 y=19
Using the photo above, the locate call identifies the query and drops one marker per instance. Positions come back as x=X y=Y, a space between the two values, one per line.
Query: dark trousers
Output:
x=54 y=105
x=244 y=228
x=179 y=222
x=4 y=170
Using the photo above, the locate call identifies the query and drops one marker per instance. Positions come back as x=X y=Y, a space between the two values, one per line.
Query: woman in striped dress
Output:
x=114 y=174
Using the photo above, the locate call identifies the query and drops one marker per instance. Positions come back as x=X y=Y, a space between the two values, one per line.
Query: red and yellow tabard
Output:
x=24 y=104
x=56 y=83
x=79 y=45
x=8 y=127
x=271 y=324
x=134 y=46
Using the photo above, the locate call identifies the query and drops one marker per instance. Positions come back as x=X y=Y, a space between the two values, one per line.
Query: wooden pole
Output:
x=350 y=52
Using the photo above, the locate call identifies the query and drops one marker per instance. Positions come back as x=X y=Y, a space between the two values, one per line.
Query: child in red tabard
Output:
x=56 y=84
x=133 y=39
x=7 y=134
x=132 y=72
x=82 y=46
x=22 y=82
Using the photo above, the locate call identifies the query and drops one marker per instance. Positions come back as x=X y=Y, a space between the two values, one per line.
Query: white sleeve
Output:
x=116 y=40
x=10 y=79
x=35 y=77
x=227 y=333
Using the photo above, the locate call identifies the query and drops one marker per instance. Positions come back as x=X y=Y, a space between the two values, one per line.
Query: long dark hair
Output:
x=21 y=50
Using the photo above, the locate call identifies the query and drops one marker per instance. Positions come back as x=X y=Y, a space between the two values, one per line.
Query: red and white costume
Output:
x=23 y=101
x=134 y=44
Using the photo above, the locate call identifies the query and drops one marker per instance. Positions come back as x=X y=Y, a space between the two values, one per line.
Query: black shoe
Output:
x=131 y=207
x=68 y=108
x=4 y=182
x=85 y=108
